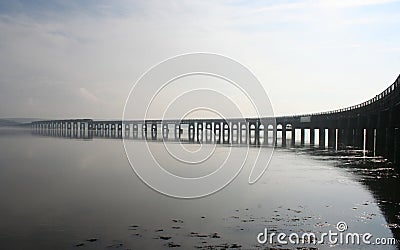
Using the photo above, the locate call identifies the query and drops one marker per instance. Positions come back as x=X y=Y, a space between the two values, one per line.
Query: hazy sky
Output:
x=80 y=58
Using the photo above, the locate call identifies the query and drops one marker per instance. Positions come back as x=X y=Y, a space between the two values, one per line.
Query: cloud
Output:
x=68 y=57
x=353 y=3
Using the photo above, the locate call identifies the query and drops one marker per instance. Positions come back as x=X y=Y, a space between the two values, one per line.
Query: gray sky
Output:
x=80 y=58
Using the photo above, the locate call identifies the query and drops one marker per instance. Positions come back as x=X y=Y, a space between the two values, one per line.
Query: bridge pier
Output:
x=165 y=131
x=283 y=135
x=209 y=133
x=178 y=131
x=235 y=133
x=390 y=142
x=154 y=131
x=293 y=140
x=199 y=132
x=144 y=130
x=321 y=143
x=302 y=136
x=370 y=139
x=358 y=138
x=226 y=133
x=135 y=131
x=191 y=132
x=243 y=132
x=332 y=137
x=312 y=137
x=217 y=132
x=341 y=138
x=396 y=147
x=380 y=144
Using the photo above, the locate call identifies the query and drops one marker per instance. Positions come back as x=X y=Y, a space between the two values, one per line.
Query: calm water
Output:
x=59 y=193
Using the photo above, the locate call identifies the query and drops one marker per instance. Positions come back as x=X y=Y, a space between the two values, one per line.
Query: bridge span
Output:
x=372 y=125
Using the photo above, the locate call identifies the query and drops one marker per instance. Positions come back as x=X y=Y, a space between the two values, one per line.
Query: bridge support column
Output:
x=332 y=138
x=341 y=138
x=359 y=138
x=302 y=136
x=293 y=139
x=217 y=136
x=396 y=156
x=274 y=135
x=226 y=133
x=390 y=142
x=283 y=135
x=243 y=132
x=135 y=131
x=380 y=145
x=191 y=132
x=321 y=143
x=144 y=130
x=348 y=137
x=209 y=132
x=312 y=136
x=370 y=139
x=266 y=142
x=177 y=131
x=165 y=131
x=235 y=130
x=199 y=131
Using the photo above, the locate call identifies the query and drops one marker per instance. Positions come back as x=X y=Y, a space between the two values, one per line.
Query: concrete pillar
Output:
x=321 y=143
x=200 y=131
x=226 y=133
x=209 y=132
x=217 y=136
x=191 y=132
x=144 y=130
x=341 y=138
x=293 y=140
x=266 y=141
x=243 y=132
x=154 y=131
x=396 y=149
x=359 y=138
x=177 y=131
x=235 y=129
x=332 y=138
x=390 y=142
x=369 y=144
x=302 y=137
x=380 y=141
x=165 y=130
x=283 y=135
x=135 y=130
x=312 y=136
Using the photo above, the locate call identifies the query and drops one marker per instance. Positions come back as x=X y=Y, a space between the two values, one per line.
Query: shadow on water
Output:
x=379 y=176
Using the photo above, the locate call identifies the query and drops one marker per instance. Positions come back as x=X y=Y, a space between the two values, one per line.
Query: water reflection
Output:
x=82 y=193
x=381 y=177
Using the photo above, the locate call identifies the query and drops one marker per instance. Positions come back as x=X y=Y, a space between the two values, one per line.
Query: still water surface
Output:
x=58 y=193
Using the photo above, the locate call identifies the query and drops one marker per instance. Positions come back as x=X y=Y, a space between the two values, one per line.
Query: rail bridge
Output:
x=372 y=125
